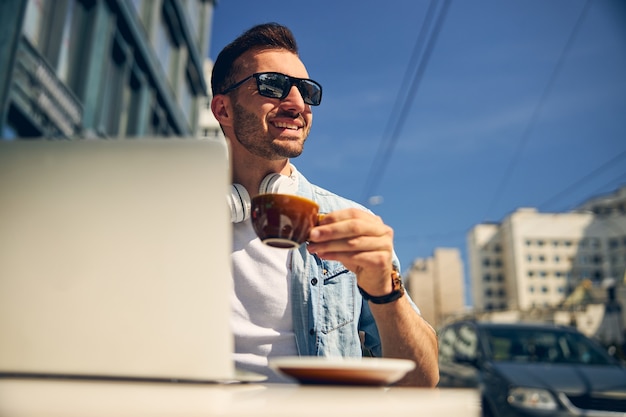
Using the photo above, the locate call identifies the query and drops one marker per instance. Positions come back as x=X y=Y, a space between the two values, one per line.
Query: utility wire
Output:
x=386 y=147
x=590 y=175
x=538 y=108
x=401 y=96
x=402 y=91
x=454 y=233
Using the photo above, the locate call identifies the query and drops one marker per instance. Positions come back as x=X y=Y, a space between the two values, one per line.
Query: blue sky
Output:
x=521 y=103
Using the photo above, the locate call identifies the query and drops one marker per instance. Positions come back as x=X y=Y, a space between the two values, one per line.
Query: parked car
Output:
x=532 y=369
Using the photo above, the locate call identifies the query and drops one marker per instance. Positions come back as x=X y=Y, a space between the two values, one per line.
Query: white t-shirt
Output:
x=262 y=320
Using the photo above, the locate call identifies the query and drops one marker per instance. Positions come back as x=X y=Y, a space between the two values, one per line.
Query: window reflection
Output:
x=542 y=346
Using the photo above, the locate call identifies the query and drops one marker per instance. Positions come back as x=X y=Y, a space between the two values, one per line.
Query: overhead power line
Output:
x=403 y=104
x=584 y=179
x=535 y=115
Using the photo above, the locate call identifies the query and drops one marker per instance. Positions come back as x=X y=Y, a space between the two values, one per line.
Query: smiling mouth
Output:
x=283 y=125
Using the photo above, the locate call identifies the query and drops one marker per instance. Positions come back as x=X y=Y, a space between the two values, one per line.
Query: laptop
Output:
x=115 y=259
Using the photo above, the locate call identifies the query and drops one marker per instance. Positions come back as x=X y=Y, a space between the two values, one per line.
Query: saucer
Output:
x=342 y=371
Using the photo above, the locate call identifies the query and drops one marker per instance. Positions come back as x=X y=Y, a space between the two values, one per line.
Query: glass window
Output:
x=194 y=12
x=164 y=44
x=549 y=346
x=186 y=100
x=466 y=342
x=447 y=340
x=116 y=90
x=137 y=5
x=64 y=49
x=598 y=275
x=135 y=108
x=34 y=20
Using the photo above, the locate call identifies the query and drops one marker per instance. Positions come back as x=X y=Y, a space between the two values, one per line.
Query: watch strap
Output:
x=396 y=292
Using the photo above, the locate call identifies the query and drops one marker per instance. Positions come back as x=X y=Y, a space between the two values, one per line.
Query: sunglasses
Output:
x=277 y=85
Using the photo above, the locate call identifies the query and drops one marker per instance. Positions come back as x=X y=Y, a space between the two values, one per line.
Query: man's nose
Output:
x=294 y=100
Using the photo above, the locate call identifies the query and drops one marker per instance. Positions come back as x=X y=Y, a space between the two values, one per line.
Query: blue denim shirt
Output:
x=328 y=310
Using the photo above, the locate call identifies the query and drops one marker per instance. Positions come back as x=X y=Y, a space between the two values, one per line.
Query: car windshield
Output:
x=548 y=346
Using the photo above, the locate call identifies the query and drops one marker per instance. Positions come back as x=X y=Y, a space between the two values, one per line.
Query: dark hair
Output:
x=264 y=36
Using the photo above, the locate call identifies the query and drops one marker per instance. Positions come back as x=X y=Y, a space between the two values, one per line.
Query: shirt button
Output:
x=312 y=332
x=314 y=281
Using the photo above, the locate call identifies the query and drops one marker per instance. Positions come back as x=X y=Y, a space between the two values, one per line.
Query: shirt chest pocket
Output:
x=337 y=297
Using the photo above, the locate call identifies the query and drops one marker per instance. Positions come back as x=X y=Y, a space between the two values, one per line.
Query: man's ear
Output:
x=220 y=106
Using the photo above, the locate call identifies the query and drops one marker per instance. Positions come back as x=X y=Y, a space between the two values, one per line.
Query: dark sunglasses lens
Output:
x=273 y=85
x=311 y=92
x=276 y=85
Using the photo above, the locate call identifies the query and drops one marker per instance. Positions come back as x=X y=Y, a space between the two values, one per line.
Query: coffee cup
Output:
x=283 y=220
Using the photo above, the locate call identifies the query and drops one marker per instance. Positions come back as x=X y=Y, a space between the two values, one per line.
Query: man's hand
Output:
x=360 y=241
x=364 y=244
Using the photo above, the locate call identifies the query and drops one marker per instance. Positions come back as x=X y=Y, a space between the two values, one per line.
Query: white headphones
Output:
x=239 y=199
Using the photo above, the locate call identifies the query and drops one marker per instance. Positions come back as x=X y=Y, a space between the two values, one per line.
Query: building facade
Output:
x=436 y=285
x=102 y=68
x=536 y=260
x=208 y=126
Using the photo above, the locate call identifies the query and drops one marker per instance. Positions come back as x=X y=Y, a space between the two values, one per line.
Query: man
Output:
x=309 y=301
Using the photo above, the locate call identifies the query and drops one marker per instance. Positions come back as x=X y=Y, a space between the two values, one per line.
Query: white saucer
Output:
x=342 y=371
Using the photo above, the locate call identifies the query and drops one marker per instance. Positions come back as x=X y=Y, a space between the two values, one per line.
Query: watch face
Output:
x=396 y=282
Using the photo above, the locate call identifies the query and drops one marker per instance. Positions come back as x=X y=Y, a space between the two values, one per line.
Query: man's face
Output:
x=269 y=127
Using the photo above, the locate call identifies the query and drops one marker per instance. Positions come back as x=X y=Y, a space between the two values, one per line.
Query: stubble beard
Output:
x=250 y=133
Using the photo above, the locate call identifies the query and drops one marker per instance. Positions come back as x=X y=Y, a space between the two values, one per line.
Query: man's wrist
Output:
x=397 y=290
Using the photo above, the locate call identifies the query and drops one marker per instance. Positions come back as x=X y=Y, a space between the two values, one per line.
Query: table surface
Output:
x=86 y=398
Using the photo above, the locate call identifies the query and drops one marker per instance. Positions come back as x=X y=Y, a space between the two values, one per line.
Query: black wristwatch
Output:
x=396 y=292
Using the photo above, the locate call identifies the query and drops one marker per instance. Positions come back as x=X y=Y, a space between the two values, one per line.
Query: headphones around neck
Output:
x=239 y=199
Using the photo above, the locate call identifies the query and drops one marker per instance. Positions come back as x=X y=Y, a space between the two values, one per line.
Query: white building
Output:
x=208 y=127
x=535 y=259
x=436 y=285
